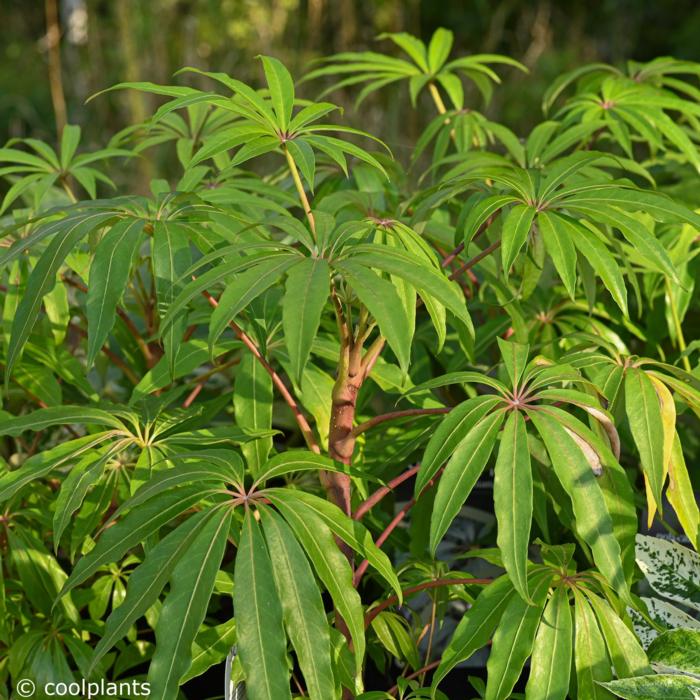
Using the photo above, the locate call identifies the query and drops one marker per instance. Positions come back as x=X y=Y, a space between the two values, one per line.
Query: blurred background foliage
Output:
x=70 y=49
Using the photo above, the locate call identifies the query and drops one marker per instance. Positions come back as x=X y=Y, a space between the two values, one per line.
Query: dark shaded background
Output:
x=102 y=42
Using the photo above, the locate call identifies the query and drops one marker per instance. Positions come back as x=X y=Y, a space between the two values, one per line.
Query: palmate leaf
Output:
x=516 y=228
x=60 y=415
x=192 y=583
x=449 y=434
x=625 y=652
x=76 y=485
x=302 y=607
x=646 y=425
x=41 y=464
x=427 y=280
x=41 y=281
x=259 y=618
x=246 y=287
x=170 y=252
x=352 y=532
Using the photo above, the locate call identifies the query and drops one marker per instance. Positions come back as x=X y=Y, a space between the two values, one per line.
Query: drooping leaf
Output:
x=513 y=500
x=476 y=627
x=593 y=521
x=109 y=273
x=261 y=637
x=550 y=666
x=302 y=607
x=514 y=638
x=183 y=611
x=461 y=473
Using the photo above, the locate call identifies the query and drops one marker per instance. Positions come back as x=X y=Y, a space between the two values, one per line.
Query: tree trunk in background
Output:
x=53 y=41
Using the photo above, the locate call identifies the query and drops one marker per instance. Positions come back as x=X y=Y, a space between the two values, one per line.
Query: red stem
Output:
x=475 y=260
x=362 y=427
x=390 y=528
x=379 y=494
x=419 y=672
x=436 y=583
x=276 y=380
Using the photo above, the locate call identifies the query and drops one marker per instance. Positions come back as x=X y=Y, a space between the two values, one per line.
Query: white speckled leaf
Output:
x=672 y=570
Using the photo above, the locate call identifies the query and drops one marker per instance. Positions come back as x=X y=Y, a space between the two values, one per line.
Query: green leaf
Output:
x=252 y=407
x=211 y=646
x=624 y=649
x=561 y=250
x=75 y=487
x=383 y=302
x=171 y=259
x=678 y=650
x=333 y=569
x=516 y=228
x=109 y=274
x=305 y=296
x=352 y=532
x=476 y=627
x=646 y=425
x=512 y=496
x=262 y=642
x=449 y=433
x=44 y=462
x=550 y=666
x=134 y=528
x=590 y=656
x=59 y=415
x=593 y=522
x=661 y=687
x=41 y=281
x=599 y=258
x=147 y=581
x=302 y=607
x=293 y=461
x=681 y=496
x=70 y=138
x=281 y=87
x=514 y=358
x=514 y=638
x=425 y=278
x=461 y=473
x=191 y=586
x=244 y=288
x=439 y=48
